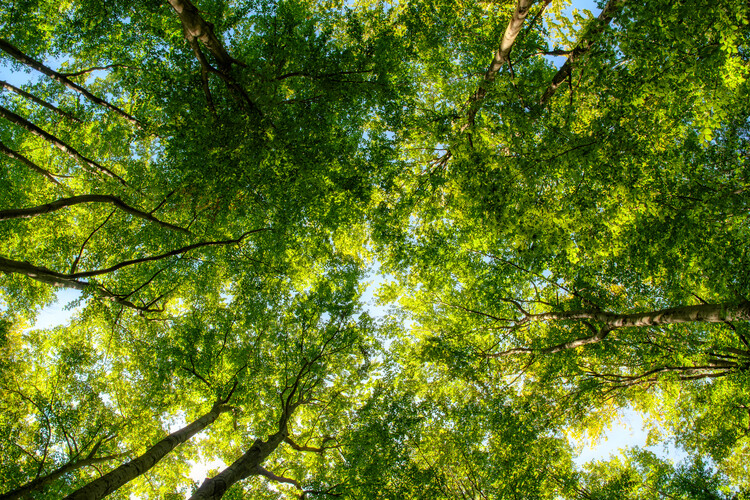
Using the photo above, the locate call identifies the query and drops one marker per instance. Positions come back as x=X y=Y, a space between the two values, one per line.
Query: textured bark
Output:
x=14 y=52
x=705 y=313
x=39 y=101
x=197 y=28
x=16 y=213
x=247 y=465
x=702 y=313
x=69 y=150
x=111 y=481
x=605 y=17
x=33 y=166
x=500 y=58
x=25 y=490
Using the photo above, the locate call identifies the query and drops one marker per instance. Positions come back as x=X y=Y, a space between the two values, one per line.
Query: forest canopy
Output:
x=552 y=204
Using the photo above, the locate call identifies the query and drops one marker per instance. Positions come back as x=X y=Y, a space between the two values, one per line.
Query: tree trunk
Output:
x=26 y=489
x=196 y=28
x=705 y=313
x=245 y=466
x=500 y=58
x=108 y=483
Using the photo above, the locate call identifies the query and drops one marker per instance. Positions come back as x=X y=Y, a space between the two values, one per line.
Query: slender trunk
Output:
x=245 y=466
x=17 y=213
x=33 y=166
x=99 y=488
x=39 y=101
x=6 y=47
x=69 y=150
x=26 y=489
x=704 y=313
x=500 y=58
x=605 y=17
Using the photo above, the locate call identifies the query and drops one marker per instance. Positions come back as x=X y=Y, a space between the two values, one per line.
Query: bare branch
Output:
x=94 y=68
x=279 y=479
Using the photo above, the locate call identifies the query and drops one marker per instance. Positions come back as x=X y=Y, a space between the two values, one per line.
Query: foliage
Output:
x=556 y=241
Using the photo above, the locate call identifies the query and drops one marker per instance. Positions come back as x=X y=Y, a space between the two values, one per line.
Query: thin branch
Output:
x=33 y=166
x=32 y=63
x=39 y=101
x=83 y=245
x=94 y=68
x=69 y=150
x=587 y=41
x=279 y=479
x=18 y=213
x=152 y=258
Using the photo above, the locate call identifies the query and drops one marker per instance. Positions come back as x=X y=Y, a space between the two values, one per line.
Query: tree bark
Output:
x=69 y=150
x=500 y=58
x=196 y=28
x=14 y=52
x=26 y=489
x=702 y=313
x=705 y=313
x=247 y=465
x=605 y=16
x=17 y=213
x=39 y=101
x=111 y=481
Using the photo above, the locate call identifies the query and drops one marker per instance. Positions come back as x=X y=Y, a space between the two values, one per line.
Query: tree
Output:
x=216 y=178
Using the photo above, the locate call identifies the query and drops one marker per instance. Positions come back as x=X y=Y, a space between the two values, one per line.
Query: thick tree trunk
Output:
x=245 y=466
x=500 y=58
x=69 y=150
x=197 y=28
x=16 y=213
x=605 y=17
x=111 y=481
x=6 y=47
x=26 y=489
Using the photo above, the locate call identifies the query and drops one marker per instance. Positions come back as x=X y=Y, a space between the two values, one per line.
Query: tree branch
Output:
x=33 y=166
x=588 y=39
x=39 y=101
x=14 y=52
x=500 y=58
x=17 y=213
x=69 y=150
x=279 y=479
